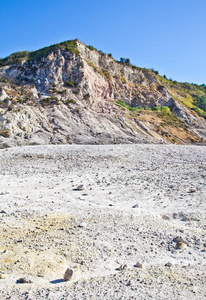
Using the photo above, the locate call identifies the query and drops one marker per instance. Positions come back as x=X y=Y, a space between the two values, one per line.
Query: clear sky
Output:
x=167 y=35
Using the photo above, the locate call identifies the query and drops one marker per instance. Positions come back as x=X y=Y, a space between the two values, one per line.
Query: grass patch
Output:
x=70 y=83
x=70 y=101
x=138 y=108
x=49 y=101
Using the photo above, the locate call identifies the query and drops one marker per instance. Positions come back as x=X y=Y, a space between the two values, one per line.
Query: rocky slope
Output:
x=72 y=93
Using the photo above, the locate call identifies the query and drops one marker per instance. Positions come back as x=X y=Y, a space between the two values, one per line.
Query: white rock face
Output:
x=70 y=97
x=3 y=94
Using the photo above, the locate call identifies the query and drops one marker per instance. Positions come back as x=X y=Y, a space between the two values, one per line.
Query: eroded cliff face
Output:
x=88 y=97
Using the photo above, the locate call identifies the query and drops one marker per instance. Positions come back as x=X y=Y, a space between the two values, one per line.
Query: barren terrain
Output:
x=100 y=210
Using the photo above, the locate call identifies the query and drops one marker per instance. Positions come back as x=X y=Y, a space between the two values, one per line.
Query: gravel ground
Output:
x=100 y=210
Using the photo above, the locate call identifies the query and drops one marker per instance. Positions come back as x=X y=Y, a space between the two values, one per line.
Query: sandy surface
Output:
x=136 y=200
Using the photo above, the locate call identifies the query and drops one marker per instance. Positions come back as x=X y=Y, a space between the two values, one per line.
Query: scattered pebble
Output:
x=135 y=206
x=80 y=187
x=138 y=265
x=4 y=193
x=82 y=224
x=165 y=217
x=193 y=190
x=181 y=245
x=68 y=274
x=198 y=242
x=168 y=264
x=2 y=276
x=23 y=280
x=178 y=239
x=122 y=267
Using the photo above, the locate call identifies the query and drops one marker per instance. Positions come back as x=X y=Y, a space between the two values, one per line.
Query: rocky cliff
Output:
x=72 y=93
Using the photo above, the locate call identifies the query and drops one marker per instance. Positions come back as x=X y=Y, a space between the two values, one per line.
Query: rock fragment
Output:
x=165 y=217
x=178 y=239
x=79 y=187
x=82 y=224
x=23 y=280
x=181 y=245
x=2 y=276
x=138 y=265
x=169 y=265
x=122 y=267
x=68 y=274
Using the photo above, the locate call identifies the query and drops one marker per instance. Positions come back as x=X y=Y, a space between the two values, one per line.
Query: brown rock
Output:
x=23 y=280
x=181 y=245
x=138 y=265
x=68 y=274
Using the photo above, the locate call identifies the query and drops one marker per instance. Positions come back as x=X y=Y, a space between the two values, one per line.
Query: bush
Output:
x=125 y=60
x=154 y=71
x=161 y=108
x=70 y=83
x=70 y=101
x=106 y=74
x=200 y=101
x=49 y=101
x=91 y=48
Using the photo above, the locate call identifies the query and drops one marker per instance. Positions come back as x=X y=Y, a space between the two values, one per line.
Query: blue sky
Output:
x=169 y=36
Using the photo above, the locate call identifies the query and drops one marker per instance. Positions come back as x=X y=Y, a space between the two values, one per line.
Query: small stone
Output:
x=82 y=224
x=2 y=212
x=80 y=187
x=129 y=283
x=178 y=239
x=122 y=267
x=23 y=280
x=68 y=274
x=193 y=190
x=138 y=265
x=168 y=265
x=181 y=245
x=165 y=217
x=135 y=206
x=2 y=276
x=198 y=242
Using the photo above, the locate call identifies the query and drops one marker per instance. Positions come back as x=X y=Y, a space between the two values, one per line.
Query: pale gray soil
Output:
x=136 y=200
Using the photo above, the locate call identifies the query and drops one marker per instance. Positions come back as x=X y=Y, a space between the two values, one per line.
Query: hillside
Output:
x=72 y=93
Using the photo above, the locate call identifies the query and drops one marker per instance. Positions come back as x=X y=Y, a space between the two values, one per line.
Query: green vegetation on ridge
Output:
x=18 y=57
x=192 y=96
